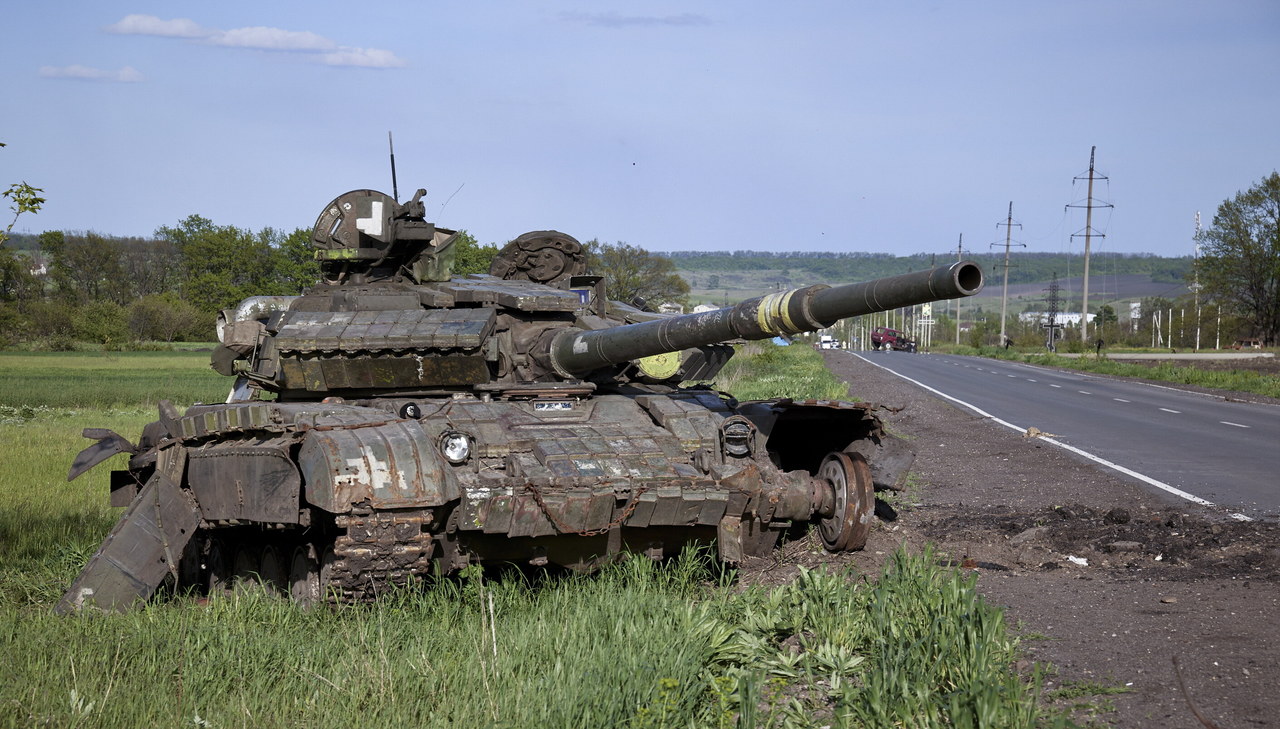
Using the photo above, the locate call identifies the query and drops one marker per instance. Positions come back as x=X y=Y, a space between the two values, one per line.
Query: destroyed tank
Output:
x=393 y=424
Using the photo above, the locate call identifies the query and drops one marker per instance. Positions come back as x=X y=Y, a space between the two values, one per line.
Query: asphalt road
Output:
x=1223 y=452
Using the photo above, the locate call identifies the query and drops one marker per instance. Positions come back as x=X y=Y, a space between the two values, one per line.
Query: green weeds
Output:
x=763 y=370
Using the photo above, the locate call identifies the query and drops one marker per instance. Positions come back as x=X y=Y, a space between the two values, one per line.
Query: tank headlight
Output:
x=455 y=446
x=738 y=435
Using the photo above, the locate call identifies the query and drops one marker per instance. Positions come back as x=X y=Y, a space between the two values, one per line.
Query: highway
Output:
x=1199 y=447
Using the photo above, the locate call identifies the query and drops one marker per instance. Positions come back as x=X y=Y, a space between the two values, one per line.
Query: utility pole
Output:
x=1004 y=295
x=959 y=257
x=1196 y=285
x=1088 y=237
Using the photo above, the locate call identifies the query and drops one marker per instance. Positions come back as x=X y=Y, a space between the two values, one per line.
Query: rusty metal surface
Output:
x=144 y=547
x=257 y=483
x=388 y=466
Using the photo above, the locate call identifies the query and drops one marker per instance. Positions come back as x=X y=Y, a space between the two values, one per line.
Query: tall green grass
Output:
x=764 y=370
x=74 y=380
x=637 y=645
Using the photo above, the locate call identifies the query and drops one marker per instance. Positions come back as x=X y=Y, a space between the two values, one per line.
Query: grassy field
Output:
x=638 y=645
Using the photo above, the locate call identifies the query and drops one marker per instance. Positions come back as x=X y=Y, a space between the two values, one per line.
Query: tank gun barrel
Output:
x=576 y=352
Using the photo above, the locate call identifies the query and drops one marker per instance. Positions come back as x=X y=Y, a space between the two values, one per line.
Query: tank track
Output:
x=377 y=551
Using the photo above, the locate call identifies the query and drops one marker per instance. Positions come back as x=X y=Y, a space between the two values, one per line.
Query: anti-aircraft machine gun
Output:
x=393 y=423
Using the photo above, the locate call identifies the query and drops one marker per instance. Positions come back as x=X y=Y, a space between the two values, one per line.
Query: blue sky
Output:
x=835 y=126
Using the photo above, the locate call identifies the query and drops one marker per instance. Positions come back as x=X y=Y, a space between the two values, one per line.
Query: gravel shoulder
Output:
x=1108 y=580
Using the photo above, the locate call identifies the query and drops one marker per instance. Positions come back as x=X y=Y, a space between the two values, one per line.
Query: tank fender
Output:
x=143 y=548
x=108 y=443
x=255 y=483
x=389 y=465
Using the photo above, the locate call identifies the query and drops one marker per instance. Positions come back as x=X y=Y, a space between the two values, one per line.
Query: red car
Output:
x=886 y=338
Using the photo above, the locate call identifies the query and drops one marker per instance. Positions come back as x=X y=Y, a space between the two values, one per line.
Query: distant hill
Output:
x=718 y=277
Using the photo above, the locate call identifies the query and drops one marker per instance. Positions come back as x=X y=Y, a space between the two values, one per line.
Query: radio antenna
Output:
x=395 y=192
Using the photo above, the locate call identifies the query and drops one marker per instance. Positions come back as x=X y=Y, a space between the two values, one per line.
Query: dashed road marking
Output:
x=1082 y=392
x=1175 y=412
x=1119 y=399
x=1055 y=385
x=1228 y=422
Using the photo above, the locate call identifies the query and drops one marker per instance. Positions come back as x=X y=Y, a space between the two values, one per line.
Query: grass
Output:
x=1237 y=380
x=106 y=380
x=636 y=645
x=763 y=370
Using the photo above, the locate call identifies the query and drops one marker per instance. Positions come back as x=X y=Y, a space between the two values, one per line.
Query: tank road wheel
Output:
x=304 y=577
x=329 y=590
x=218 y=569
x=855 y=502
x=244 y=567
x=272 y=571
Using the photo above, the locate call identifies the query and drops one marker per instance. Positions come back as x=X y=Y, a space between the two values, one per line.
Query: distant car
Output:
x=886 y=338
x=826 y=341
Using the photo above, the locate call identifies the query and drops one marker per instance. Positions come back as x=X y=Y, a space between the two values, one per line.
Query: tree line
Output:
x=60 y=289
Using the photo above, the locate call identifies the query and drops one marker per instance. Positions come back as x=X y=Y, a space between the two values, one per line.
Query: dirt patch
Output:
x=1107 y=579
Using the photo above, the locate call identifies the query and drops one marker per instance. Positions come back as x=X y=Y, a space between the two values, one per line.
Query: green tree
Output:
x=1105 y=320
x=297 y=267
x=1239 y=264
x=16 y=281
x=85 y=268
x=151 y=266
x=634 y=274
x=223 y=264
x=24 y=199
x=471 y=257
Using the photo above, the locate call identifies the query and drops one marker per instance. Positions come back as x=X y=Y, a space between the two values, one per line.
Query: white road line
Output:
x=1031 y=380
x=1055 y=385
x=1010 y=375
x=1175 y=412
x=1228 y=422
x=1114 y=466
x=1082 y=392
x=1119 y=399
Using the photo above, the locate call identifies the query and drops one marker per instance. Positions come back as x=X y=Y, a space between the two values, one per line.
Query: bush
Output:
x=165 y=317
x=102 y=323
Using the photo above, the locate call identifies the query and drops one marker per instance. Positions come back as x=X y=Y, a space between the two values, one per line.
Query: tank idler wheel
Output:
x=272 y=570
x=855 y=502
x=304 y=577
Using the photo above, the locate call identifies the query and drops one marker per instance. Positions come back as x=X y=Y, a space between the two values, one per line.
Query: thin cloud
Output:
x=273 y=39
x=363 y=58
x=316 y=48
x=615 y=20
x=128 y=74
x=151 y=25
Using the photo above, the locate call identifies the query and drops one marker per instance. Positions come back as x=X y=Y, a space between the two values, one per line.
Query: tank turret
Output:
x=394 y=423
